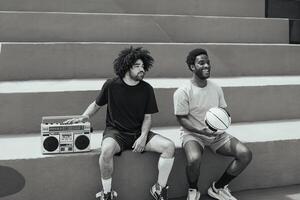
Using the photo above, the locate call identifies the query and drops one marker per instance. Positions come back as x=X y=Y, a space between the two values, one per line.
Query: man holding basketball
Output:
x=130 y=103
x=191 y=102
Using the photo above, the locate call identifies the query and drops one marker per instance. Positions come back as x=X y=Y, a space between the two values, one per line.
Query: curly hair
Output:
x=190 y=59
x=128 y=57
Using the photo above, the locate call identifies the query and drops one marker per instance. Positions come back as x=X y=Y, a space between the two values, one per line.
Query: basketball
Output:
x=217 y=119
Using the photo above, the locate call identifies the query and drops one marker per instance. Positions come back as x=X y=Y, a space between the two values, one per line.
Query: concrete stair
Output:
x=84 y=27
x=55 y=56
x=254 y=8
x=94 y=60
x=64 y=174
x=249 y=99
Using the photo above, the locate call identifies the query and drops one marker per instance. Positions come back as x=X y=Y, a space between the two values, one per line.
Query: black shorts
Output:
x=124 y=139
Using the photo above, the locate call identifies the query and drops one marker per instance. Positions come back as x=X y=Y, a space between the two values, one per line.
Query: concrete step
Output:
x=76 y=176
x=28 y=61
x=277 y=193
x=254 y=8
x=248 y=98
x=83 y=27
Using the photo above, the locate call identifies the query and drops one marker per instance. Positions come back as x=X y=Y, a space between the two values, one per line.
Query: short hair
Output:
x=128 y=57
x=190 y=59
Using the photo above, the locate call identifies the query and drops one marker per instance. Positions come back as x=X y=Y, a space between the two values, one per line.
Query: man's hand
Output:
x=209 y=133
x=73 y=120
x=140 y=144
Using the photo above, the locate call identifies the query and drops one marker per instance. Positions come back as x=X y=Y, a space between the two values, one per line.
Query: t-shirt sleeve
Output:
x=151 y=106
x=222 y=102
x=181 y=103
x=102 y=97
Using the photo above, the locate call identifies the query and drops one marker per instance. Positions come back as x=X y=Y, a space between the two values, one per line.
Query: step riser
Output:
x=77 y=177
x=37 y=27
x=94 y=60
x=255 y=8
x=22 y=113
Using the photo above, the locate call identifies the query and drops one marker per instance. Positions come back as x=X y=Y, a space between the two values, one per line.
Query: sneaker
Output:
x=193 y=194
x=109 y=196
x=221 y=194
x=158 y=192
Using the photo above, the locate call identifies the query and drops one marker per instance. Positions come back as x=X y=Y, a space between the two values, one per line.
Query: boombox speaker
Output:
x=57 y=137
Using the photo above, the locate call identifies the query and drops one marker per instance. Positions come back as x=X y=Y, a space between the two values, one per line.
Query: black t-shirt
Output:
x=127 y=105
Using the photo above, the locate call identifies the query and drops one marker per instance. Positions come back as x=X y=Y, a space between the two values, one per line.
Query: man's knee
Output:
x=108 y=150
x=164 y=146
x=194 y=159
x=106 y=154
x=245 y=155
x=169 y=148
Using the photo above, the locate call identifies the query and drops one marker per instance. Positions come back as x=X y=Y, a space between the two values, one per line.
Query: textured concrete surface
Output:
x=251 y=102
x=254 y=8
x=76 y=176
x=28 y=146
x=28 y=61
x=82 y=27
x=276 y=193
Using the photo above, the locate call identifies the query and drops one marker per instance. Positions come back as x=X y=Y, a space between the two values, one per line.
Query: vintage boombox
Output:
x=60 y=137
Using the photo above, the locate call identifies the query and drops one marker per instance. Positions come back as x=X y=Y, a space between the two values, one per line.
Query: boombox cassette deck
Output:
x=58 y=137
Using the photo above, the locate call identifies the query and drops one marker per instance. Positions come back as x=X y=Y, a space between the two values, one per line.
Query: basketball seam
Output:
x=228 y=115
x=212 y=126
x=218 y=119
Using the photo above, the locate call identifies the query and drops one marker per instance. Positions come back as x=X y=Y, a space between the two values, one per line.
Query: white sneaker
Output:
x=193 y=194
x=221 y=194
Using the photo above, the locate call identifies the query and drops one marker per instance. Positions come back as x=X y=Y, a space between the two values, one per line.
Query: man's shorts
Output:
x=214 y=144
x=124 y=139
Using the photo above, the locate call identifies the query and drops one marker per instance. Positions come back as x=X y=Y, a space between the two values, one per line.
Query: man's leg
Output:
x=166 y=148
x=109 y=148
x=193 y=151
x=242 y=157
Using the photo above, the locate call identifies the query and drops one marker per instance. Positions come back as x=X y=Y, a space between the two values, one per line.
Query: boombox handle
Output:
x=49 y=119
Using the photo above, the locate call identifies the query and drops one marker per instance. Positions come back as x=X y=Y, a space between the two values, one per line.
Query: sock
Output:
x=192 y=177
x=106 y=184
x=224 y=180
x=164 y=168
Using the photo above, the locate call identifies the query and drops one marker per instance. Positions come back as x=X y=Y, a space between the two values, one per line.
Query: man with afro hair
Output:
x=130 y=103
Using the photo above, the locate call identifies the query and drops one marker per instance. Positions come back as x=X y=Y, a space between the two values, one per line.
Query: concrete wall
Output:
x=254 y=8
x=77 y=176
x=246 y=104
x=62 y=27
x=283 y=9
x=30 y=61
x=295 y=31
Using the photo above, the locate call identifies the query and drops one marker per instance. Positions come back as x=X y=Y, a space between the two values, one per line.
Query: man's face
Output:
x=137 y=71
x=202 y=67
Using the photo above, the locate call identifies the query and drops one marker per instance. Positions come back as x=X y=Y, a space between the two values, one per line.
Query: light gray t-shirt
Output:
x=194 y=102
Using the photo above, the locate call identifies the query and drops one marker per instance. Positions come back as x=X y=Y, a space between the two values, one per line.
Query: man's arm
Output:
x=146 y=125
x=140 y=143
x=187 y=124
x=89 y=112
